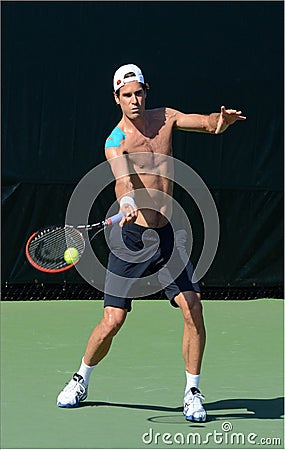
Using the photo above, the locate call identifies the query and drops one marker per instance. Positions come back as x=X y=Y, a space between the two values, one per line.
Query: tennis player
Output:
x=139 y=151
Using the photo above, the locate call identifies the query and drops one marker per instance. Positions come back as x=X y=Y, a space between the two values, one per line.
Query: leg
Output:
x=97 y=348
x=194 y=336
x=193 y=345
x=101 y=337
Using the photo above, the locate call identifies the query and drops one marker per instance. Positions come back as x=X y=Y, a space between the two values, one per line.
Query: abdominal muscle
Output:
x=153 y=196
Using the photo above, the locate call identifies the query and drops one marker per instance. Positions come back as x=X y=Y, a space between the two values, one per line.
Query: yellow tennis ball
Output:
x=71 y=255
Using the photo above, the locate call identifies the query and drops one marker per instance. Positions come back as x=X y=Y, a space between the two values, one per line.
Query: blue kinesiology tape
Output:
x=115 y=138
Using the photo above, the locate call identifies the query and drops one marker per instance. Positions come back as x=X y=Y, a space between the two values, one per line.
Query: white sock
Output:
x=85 y=371
x=191 y=381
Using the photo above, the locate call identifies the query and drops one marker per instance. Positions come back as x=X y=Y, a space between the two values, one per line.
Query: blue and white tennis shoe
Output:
x=193 y=407
x=73 y=393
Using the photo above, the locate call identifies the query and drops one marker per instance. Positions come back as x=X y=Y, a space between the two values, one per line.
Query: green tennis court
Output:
x=135 y=395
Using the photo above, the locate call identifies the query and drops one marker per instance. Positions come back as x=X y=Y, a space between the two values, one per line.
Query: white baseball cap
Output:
x=119 y=77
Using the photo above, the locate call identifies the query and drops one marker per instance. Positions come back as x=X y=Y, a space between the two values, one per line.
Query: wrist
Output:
x=224 y=125
x=127 y=200
x=213 y=122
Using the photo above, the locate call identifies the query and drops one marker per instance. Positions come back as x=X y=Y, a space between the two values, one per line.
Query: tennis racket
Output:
x=45 y=248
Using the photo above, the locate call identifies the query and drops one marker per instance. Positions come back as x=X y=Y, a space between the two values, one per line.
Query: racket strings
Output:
x=48 y=246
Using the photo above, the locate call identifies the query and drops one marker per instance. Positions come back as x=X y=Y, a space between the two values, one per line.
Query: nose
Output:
x=134 y=99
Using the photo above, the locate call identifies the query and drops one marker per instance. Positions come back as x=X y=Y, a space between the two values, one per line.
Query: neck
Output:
x=140 y=123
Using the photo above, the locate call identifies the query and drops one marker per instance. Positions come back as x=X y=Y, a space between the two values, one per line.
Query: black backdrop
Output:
x=58 y=59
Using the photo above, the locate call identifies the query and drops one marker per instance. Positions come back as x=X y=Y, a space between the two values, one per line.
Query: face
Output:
x=131 y=99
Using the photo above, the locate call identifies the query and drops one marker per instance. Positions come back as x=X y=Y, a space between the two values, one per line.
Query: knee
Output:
x=193 y=309
x=191 y=306
x=112 y=321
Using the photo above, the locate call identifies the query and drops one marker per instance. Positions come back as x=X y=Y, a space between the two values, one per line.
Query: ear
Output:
x=117 y=99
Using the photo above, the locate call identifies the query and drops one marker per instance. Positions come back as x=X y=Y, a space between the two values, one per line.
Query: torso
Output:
x=151 y=166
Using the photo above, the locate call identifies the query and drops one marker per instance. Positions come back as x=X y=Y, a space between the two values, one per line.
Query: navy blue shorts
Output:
x=137 y=253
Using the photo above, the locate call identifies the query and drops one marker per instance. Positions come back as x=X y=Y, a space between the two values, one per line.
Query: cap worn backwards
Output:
x=119 y=77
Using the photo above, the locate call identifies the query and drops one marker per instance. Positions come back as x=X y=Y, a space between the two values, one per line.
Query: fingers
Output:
x=128 y=219
x=228 y=117
x=232 y=112
x=130 y=212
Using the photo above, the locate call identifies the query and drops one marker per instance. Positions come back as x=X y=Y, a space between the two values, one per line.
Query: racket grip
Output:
x=114 y=219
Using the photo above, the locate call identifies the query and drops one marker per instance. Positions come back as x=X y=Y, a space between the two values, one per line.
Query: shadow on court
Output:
x=269 y=408
x=272 y=408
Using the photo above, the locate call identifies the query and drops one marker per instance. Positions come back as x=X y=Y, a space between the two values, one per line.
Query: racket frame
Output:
x=78 y=229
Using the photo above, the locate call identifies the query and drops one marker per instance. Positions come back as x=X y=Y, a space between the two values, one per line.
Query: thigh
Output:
x=176 y=275
x=126 y=264
x=120 y=278
x=173 y=286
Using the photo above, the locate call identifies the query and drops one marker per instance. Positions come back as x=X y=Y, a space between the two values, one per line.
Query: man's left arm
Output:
x=215 y=123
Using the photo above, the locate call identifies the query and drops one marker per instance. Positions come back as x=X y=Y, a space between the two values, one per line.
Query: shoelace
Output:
x=80 y=389
x=198 y=397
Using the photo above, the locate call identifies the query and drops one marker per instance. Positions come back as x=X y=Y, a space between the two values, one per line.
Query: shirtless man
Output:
x=139 y=151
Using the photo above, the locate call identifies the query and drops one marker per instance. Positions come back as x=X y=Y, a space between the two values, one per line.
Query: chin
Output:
x=135 y=115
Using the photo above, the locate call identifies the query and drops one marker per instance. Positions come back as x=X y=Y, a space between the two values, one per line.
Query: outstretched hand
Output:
x=228 y=117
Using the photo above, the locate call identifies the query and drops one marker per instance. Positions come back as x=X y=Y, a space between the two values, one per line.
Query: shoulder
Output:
x=164 y=113
x=161 y=111
x=172 y=113
x=168 y=113
x=115 y=138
